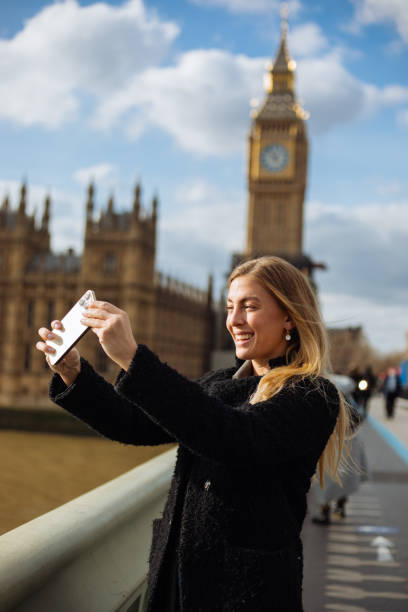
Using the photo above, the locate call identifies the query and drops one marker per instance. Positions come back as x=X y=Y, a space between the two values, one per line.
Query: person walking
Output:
x=333 y=498
x=391 y=388
x=250 y=439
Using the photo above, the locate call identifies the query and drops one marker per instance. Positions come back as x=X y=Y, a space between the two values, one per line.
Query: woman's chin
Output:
x=242 y=353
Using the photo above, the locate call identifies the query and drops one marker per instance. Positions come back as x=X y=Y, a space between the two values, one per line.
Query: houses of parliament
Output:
x=118 y=257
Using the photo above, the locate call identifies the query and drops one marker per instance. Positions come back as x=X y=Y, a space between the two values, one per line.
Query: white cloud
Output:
x=389 y=189
x=209 y=214
x=111 y=56
x=368 y=12
x=203 y=100
x=333 y=95
x=100 y=173
x=364 y=248
x=207 y=225
x=306 y=39
x=67 y=49
x=366 y=282
x=330 y=92
x=402 y=117
x=384 y=324
x=379 y=223
x=251 y=6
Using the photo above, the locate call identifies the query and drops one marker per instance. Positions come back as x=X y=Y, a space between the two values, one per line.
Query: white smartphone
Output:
x=72 y=328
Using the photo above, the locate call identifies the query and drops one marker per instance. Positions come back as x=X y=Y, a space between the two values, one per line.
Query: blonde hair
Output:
x=307 y=351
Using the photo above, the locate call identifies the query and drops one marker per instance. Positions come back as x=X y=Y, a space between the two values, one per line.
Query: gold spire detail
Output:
x=283 y=62
x=281 y=99
x=281 y=77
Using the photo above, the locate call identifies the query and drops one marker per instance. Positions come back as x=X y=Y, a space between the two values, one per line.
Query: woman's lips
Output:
x=242 y=338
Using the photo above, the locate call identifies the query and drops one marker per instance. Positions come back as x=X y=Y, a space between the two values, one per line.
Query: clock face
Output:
x=274 y=158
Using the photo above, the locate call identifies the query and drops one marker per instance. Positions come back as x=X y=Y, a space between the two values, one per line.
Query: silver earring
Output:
x=288 y=336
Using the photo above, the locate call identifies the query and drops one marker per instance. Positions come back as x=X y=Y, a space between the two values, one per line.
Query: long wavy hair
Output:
x=306 y=352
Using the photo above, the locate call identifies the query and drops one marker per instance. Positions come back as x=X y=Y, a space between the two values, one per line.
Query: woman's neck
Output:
x=260 y=367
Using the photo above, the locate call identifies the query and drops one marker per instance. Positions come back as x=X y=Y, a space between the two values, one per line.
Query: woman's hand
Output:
x=112 y=326
x=69 y=366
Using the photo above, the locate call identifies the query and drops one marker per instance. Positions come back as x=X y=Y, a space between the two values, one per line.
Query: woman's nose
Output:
x=236 y=317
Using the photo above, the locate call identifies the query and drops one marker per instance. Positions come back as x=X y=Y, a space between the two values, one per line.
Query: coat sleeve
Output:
x=96 y=402
x=294 y=422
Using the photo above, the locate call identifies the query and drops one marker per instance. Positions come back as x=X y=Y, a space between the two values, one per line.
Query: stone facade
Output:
x=118 y=263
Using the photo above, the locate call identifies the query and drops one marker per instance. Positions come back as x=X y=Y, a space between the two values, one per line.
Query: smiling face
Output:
x=256 y=322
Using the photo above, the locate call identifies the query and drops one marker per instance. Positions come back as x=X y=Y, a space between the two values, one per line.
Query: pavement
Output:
x=360 y=563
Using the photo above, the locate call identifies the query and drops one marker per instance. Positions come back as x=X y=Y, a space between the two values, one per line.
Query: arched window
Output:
x=110 y=263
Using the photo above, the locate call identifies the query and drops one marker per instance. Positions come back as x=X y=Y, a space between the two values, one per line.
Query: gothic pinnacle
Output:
x=90 y=202
x=110 y=205
x=46 y=213
x=22 y=204
x=136 y=201
x=155 y=205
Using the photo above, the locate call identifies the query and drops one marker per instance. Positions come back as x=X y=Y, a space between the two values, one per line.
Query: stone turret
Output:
x=122 y=244
x=20 y=236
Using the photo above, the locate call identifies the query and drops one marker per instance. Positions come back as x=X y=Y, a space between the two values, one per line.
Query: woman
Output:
x=250 y=438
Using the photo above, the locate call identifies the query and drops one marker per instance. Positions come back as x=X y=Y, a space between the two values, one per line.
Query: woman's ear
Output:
x=289 y=323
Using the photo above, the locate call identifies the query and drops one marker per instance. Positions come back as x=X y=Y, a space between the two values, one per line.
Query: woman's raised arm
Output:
x=77 y=388
x=289 y=425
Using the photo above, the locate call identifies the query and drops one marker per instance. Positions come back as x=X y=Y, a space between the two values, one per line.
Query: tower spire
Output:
x=90 y=202
x=281 y=77
x=22 y=204
x=46 y=214
x=110 y=205
x=284 y=12
x=155 y=205
x=136 y=205
x=281 y=98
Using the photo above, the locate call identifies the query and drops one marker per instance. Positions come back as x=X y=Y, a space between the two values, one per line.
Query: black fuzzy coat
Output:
x=238 y=495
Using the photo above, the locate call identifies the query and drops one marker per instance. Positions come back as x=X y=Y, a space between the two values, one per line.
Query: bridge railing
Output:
x=91 y=553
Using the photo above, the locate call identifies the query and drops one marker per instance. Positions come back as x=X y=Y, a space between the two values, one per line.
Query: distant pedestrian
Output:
x=334 y=496
x=391 y=388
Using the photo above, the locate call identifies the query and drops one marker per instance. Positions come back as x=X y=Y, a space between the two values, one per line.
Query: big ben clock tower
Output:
x=277 y=165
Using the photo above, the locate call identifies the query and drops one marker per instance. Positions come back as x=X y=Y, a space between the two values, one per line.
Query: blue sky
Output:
x=160 y=91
